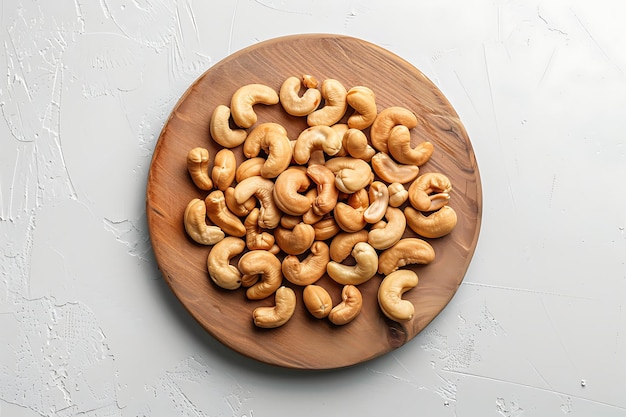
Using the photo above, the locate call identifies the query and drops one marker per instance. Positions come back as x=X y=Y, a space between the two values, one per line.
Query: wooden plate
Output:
x=305 y=342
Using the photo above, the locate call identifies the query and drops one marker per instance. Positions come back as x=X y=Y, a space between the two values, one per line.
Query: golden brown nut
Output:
x=317 y=301
x=327 y=193
x=387 y=234
x=326 y=228
x=430 y=191
x=221 y=131
x=287 y=188
x=390 y=294
x=356 y=145
x=249 y=168
x=406 y=251
x=262 y=189
x=349 y=216
x=297 y=105
x=349 y=307
x=379 y=201
x=222 y=273
x=335 y=105
x=243 y=100
x=280 y=313
x=351 y=174
x=196 y=227
x=385 y=121
x=397 y=194
x=344 y=242
x=390 y=171
x=313 y=139
x=221 y=216
x=267 y=266
x=310 y=269
x=366 y=266
x=363 y=101
x=435 y=225
x=224 y=166
x=256 y=238
x=399 y=144
x=198 y=167
x=239 y=210
x=295 y=241
x=271 y=138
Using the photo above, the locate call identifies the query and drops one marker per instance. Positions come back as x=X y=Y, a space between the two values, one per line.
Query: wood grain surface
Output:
x=305 y=342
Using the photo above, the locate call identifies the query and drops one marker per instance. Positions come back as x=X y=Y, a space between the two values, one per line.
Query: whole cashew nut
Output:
x=262 y=188
x=256 y=238
x=224 y=166
x=344 y=242
x=196 y=227
x=379 y=201
x=385 y=236
x=363 y=101
x=295 y=241
x=349 y=308
x=433 y=226
x=335 y=106
x=221 y=216
x=356 y=145
x=287 y=188
x=198 y=167
x=243 y=100
x=341 y=129
x=430 y=191
x=280 y=313
x=222 y=273
x=351 y=174
x=397 y=194
x=272 y=138
x=406 y=251
x=390 y=294
x=317 y=301
x=327 y=193
x=313 y=139
x=221 y=131
x=239 y=210
x=294 y=104
x=366 y=266
x=350 y=216
x=310 y=269
x=249 y=168
x=265 y=264
x=390 y=171
x=326 y=228
x=385 y=121
x=399 y=144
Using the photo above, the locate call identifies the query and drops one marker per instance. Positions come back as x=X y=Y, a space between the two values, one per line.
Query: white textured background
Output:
x=89 y=328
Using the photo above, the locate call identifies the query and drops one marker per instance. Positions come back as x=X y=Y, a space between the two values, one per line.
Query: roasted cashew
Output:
x=221 y=131
x=196 y=227
x=435 y=225
x=388 y=234
x=385 y=121
x=287 y=188
x=430 y=191
x=272 y=138
x=289 y=222
x=356 y=145
x=243 y=100
x=390 y=294
x=249 y=168
x=280 y=313
x=326 y=228
x=363 y=101
x=344 y=242
x=295 y=241
x=221 y=216
x=335 y=105
x=341 y=129
x=351 y=174
x=379 y=201
x=399 y=144
x=265 y=264
x=198 y=167
x=317 y=301
x=313 y=139
x=390 y=171
x=297 y=105
x=310 y=217
x=406 y=251
x=224 y=166
x=327 y=193
x=349 y=307
x=366 y=266
x=349 y=216
x=256 y=238
x=269 y=215
x=222 y=273
x=310 y=269
x=397 y=194
x=239 y=210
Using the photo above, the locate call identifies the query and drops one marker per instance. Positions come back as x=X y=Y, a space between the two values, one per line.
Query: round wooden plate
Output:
x=305 y=342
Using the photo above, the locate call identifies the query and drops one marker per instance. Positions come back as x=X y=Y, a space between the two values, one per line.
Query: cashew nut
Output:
x=222 y=273
x=310 y=269
x=280 y=313
x=196 y=227
x=385 y=121
x=397 y=194
x=341 y=129
x=295 y=241
x=316 y=138
x=239 y=210
x=349 y=216
x=297 y=105
x=399 y=144
x=366 y=266
x=390 y=171
x=287 y=187
x=289 y=222
x=272 y=138
x=363 y=101
x=317 y=301
x=406 y=251
x=265 y=264
x=351 y=174
x=249 y=168
x=224 y=166
x=326 y=228
x=349 y=308
x=269 y=215
x=256 y=238
x=390 y=294
x=243 y=100
x=430 y=191
x=344 y=242
x=221 y=131
x=198 y=167
x=435 y=225
x=335 y=105
x=379 y=201
x=310 y=217
x=356 y=145
x=387 y=234
x=221 y=216
x=327 y=193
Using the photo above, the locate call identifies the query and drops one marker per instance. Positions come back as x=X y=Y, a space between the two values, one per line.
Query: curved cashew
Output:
x=356 y=145
x=317 y=301
x=287 y=187
x=316 y=138
x=256 y=238
x=327 y=193
x=249 y=168
x=326 y=228
x=295 y=241
x=221 y=131
x=247 y=96
x=239 y=210
x=406 y=251
x=397 y=194
x=430 y=191
x=198 y=167
x=363 y=101
x=341 y=129
x=349 y=308
x=351 y=174
x=272 y=138
x=297 y=105
x=366 y=266
x=279 y=314
x=269 y=215
x=387 y=236
x=390 y=294
x=224 y=166
x=399 y=144
x=310 y=269
x=289 y=222
x=310 y=217
x=221 y=216
x=435 y=225
x=390 y=171
x=222 y=273
x=349 y=216
x=196 y=227
x=379 y=201
x=265 y=264
x=344 y=242
x=335 y=106
x=385 y=121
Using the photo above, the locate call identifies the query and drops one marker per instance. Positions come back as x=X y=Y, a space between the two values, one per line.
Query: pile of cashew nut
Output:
x=331 y=201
